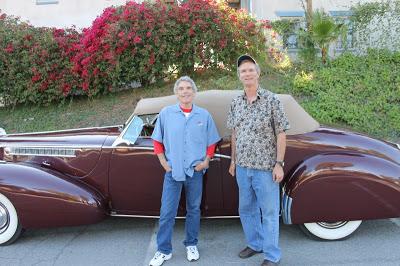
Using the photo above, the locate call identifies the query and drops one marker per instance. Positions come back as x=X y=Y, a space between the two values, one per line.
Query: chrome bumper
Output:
x=286 y=208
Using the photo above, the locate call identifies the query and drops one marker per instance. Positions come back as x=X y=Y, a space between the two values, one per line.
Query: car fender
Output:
x=45 y=198
x=342 y=187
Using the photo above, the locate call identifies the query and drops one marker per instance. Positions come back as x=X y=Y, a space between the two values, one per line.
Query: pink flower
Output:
x=44 y=86
x=10 y=48
x=35 y=78
x=152 y=59
x=85 y=61
x=137 y=39
x=66 y=88
x=85 y=86
x=85 y=73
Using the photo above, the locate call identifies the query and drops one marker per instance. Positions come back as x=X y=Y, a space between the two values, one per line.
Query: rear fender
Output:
x=45 y=198
x=338 y=187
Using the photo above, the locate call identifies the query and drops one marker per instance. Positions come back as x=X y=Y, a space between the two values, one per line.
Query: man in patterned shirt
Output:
x=258 y=125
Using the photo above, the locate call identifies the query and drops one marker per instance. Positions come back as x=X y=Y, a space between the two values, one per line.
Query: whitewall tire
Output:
x=330 y=231
x=10 y=228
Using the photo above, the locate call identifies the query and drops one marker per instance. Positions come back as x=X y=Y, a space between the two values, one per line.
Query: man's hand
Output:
x=167 y=168
x=164 y=162
x=203 y=165
x=232 y=168
x=277 y=173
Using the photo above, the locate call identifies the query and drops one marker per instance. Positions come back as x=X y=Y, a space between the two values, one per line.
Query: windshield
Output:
x=131 y=132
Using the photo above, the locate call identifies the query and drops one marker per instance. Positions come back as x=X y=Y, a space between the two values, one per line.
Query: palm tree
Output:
x=325 y=31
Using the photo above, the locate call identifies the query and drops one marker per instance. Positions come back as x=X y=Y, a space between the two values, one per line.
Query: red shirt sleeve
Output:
x=158 y=147
x=211 y=150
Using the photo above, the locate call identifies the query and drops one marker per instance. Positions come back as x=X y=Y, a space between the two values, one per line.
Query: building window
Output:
x=234 y=4
x=297 y=21
x=46 y=2
x=344 y=17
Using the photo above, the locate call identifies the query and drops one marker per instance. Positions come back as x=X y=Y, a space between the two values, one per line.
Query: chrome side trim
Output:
x=217 y=155
x=75 y=147
x=62 y=130
x=114 y=214
x=286 y=208
x=222 y=156
x=1 y=161
x=128 y=147
x=48 y=152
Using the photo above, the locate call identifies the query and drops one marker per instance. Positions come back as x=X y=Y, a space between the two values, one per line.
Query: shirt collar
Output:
x=259 y=92
x=177 y=108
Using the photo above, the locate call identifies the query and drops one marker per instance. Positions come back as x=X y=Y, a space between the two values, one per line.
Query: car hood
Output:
x=72 y=152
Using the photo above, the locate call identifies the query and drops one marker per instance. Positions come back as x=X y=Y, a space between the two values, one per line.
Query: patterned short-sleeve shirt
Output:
x=256 y=126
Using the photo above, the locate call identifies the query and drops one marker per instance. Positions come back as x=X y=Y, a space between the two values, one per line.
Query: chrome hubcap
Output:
x=4 y=218
x=333 y=225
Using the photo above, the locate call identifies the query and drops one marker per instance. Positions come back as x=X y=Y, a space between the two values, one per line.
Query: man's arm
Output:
x=163 y=162
x=232 y=166
x=277 y=173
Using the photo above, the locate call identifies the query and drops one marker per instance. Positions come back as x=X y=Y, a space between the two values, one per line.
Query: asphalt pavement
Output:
x=132 y=241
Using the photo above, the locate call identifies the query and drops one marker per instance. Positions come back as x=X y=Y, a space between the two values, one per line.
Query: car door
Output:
x=136 y=180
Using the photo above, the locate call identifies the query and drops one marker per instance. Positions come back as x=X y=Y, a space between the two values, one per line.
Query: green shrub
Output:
x=362 y=92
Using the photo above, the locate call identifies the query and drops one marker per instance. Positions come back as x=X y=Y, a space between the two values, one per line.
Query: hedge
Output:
x=131 y=43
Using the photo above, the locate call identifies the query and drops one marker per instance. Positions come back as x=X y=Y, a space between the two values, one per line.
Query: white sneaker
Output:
x=192 y=253
x=159 y=258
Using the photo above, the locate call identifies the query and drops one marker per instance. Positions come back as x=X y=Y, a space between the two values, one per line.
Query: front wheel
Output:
x=330 y=231
x=10 y=228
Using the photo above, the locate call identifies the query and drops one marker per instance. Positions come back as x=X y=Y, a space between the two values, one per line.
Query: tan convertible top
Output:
x=217 y=102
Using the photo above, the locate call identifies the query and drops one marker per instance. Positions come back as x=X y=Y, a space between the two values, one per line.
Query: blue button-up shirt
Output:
x=185 y=139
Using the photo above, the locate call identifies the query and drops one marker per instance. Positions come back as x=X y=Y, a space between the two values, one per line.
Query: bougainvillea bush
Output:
x=148 y=41
x=35 y=63
x=127 y=44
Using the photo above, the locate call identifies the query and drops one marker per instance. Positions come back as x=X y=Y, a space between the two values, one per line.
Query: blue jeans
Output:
x=259 y=197
x=169 y=207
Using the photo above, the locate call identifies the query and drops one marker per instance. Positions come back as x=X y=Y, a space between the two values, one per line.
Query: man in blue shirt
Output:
x=184 y=139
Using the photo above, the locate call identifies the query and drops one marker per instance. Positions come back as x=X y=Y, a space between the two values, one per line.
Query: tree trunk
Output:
x=309 y=12
x=324 y=52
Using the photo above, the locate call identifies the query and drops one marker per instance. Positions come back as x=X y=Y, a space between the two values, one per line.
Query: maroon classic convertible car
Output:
x=333 y=179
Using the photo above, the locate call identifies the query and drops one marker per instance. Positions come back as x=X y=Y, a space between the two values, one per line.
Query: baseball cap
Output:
x=245 y=57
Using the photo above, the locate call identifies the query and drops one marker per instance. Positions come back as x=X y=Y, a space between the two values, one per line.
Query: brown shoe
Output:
x=268 y=263
x=247 y=253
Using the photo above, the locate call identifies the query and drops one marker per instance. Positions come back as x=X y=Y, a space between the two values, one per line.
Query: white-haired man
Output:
x=184 y=140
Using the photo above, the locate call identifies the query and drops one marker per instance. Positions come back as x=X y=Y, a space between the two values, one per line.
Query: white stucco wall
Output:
x=82 y=12
x=66 y=13
x=266 y=9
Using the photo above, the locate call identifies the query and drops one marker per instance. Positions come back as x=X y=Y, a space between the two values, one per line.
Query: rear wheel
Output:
x=331 y=230
x=10 y=228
